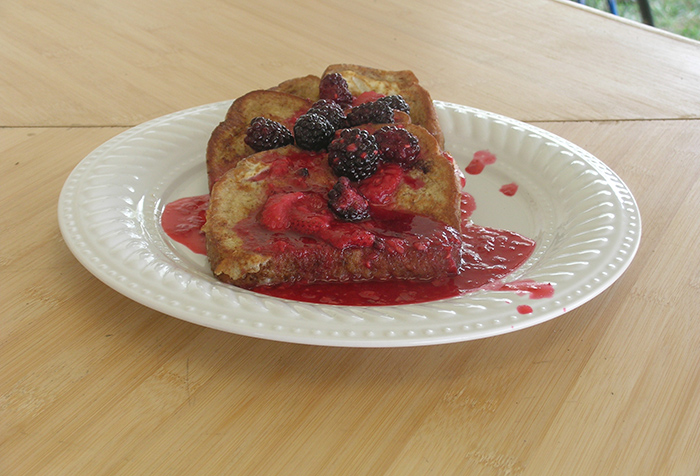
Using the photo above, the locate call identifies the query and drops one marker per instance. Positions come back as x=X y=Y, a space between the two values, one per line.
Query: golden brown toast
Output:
x=288 y=100
x=305 y=87
x=413 y=231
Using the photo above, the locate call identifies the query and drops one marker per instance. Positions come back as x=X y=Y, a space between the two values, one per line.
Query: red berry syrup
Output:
x=182 y=221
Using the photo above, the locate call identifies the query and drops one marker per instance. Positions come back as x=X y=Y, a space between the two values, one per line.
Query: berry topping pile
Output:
x=266 y=134
x=397 y=145
x=313 y=131
x=353 y=154
x=346 y=202
x=334 y=111
x=334 y=124
x=334 y=87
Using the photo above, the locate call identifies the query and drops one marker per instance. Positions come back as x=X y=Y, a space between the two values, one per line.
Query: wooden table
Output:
x=94 y=383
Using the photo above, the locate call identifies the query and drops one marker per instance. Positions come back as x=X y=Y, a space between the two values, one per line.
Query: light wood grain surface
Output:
x=92 y=383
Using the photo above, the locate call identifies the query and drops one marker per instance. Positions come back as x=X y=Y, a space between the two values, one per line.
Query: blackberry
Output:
x=313 y=132
x=330 y=110
x=334 y=87
x=347 y=203
x=266 y=134
x=396 y=102
x=353 y=154
x=398 y=145
x=370 y=112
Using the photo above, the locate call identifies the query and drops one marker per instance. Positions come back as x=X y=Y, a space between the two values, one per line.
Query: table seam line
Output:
x=537 y=121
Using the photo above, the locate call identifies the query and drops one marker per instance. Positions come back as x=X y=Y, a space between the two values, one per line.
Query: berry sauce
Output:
x=488 y=255
x=509 y=189
x=481 y=159
x=182 y=220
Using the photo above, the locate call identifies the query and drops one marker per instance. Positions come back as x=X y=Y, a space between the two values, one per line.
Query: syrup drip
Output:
x=509 y=189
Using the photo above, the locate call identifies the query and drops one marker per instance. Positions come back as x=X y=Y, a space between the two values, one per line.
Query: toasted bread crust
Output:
x=305 y=87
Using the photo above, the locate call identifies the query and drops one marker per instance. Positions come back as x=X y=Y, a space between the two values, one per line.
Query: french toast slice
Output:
x=268 y=220
x=287 y=101
x=227 y=145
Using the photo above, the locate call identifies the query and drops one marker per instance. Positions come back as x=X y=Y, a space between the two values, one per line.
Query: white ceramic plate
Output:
x=584 y=219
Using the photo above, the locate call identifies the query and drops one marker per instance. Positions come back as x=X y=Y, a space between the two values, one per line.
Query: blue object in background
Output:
x=644 y=9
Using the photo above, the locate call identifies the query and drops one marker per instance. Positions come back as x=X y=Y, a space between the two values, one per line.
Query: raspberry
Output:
x=334 y=87
x=330 y=110
x=353 y=154
x=370 y=112
x=398 y=145
x=266 y=134
x=395 y=102
x=313 y=132
x=346 y=202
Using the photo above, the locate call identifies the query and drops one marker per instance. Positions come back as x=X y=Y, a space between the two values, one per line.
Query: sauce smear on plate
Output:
x=182 y=221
